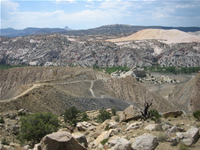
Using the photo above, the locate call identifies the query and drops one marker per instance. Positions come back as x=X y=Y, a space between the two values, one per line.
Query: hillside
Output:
x=62 y=50
x=167 y=36
x=56 y=88
x=187 y=95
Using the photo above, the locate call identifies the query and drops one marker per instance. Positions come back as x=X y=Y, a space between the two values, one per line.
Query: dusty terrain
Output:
x=166 y=36
x=56 y=88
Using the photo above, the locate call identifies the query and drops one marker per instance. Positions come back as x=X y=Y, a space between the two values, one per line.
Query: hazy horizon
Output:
x=86 y=14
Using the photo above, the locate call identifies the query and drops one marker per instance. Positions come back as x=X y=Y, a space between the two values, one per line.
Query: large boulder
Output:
x=118 y=143
x=145 y=142
x=130 y=113
x=59 y=141
x=104 y=135
x=80 y=138
x=190 y=137
x=174 y=114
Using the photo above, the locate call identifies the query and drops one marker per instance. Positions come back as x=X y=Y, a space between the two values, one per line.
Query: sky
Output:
x=85 y=14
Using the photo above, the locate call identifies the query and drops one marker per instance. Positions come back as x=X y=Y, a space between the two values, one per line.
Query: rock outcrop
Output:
x=130 y=113
x=59 y=141
x=117 y=143
x=145 y=142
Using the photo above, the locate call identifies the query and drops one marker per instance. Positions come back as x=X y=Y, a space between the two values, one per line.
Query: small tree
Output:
x=73 y=116
x=103 y=115
x=114 y=110
x=84 y=117
x=155 y=116
x=196 y=114
x=2 y=120
x=36 y=126
x=145 y=112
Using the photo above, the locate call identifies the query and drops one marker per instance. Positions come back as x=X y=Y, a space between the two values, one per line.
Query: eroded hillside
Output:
x=187 y=96
x=63 y=50
x=56 y=88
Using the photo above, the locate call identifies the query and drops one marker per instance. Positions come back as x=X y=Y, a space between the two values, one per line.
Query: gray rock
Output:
x=80 y=138
x=60 y=141
x=191 y=136
x=173 y=114
x=118 y=143
x=130 y=113
x=133 y=126
x=145 y=142
x=151 y=127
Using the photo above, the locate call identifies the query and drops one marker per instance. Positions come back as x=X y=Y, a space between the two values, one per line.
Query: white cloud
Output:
x=7 y=7
x=63 y=1
x=86 y=18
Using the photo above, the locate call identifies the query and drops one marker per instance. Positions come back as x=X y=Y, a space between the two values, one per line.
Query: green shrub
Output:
x=103 y=142
x=183 y=146
x=36 y=126
x=4 y=142
x=107 y=127
x=114 y=111
x=73 y=116
x=196 y=114
x=2 y=120
x=84 y=117
x=103 y=115
x=117 y=118
x=155 y=116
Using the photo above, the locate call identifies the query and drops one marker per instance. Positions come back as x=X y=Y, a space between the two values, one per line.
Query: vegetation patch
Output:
x=73 y=116
x=172 y=69
x=103 y=115
x=34 y=127
x=103 y=142
x=11 y=66
x=196 y=114
x=110 y=70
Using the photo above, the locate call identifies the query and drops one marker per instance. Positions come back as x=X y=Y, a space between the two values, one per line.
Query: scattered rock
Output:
x=145 y=142
x=59 y=141
x=174 y=114
x=174 y=129
x=151 y=127
x=191 y=136
x=130 y=113
x=133 y=126
x=83 y=126
x=166 y=127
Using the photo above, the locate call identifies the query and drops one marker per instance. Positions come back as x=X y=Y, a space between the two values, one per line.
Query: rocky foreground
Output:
x=122 y=132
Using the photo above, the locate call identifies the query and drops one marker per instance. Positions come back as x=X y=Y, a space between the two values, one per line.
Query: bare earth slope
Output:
x=167 y=36
x=56 y=88
x=187 y=96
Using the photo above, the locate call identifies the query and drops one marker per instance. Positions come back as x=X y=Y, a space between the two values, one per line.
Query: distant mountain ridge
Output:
x=106 y=29
x=10 y=32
